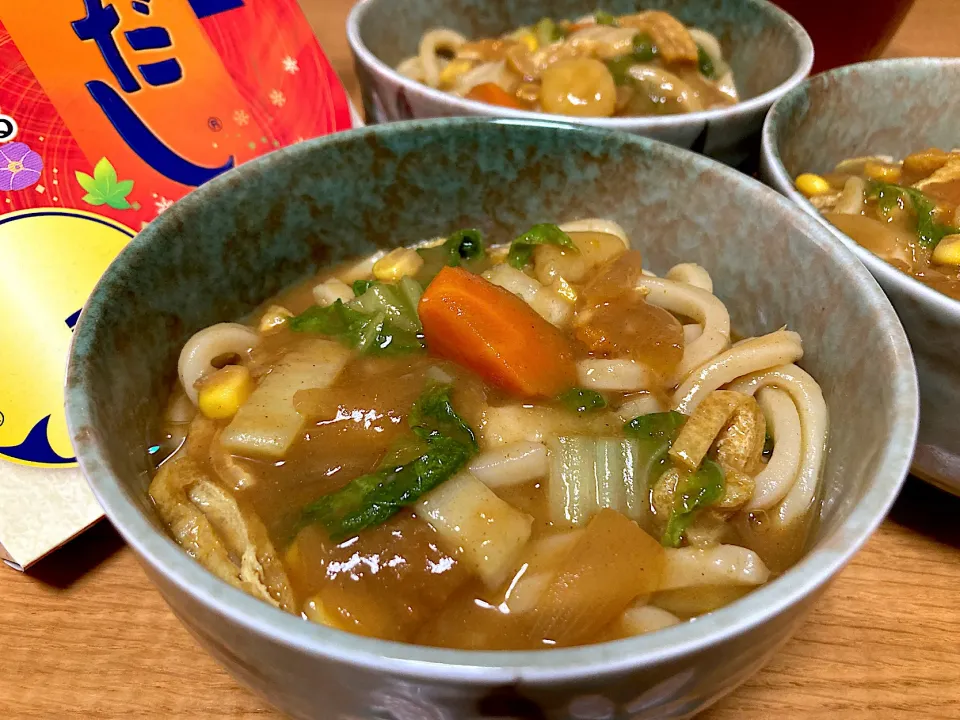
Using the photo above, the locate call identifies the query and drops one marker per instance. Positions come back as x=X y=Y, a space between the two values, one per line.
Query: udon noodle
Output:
x=523 y=446
x=647 y=63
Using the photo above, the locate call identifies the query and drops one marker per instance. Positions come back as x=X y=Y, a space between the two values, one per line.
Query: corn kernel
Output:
x=947 y=251
x=396 y=264
x=810 y=184
x=222 y=394
x=273 y=318
x=881 y=171
x=528 y=39
x=453 y=70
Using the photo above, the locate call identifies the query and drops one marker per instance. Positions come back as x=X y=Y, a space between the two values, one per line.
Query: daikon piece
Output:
x=488 y=533
x=268 y=423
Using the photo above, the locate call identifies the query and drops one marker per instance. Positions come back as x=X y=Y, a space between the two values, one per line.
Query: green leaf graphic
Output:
x=86 y=182
x=118 y=202
x=94 y=198
x=103 y=188
x=104 y=173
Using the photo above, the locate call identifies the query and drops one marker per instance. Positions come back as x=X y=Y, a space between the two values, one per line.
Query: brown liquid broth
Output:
x=398 y=581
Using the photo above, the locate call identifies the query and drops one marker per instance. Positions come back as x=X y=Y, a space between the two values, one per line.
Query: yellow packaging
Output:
x=109 y=112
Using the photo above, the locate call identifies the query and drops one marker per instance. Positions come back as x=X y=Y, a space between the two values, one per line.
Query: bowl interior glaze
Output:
x=242 y=237
x=888 y=107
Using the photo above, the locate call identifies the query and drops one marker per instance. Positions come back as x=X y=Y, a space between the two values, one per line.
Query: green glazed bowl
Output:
x=888 y=107
x=242 y=237
x=767 y=49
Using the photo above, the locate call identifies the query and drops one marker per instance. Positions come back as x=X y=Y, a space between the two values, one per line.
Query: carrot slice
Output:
x=496 y=334
x=493 y=94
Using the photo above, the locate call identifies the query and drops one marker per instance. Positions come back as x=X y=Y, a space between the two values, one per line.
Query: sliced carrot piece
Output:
x=493 y=94
x=495 y=334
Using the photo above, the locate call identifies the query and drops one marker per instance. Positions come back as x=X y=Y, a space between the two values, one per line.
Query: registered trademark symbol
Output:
x=215 y=124
x=8 y=128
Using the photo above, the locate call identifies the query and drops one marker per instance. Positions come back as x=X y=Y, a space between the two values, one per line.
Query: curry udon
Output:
x=523 y=446
x=906 y=212
x=601 y=65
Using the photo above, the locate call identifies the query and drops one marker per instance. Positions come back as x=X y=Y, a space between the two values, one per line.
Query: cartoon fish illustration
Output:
x=50 y=260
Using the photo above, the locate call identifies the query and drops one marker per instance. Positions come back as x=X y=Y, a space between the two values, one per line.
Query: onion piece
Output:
x=613 y=562
x=692 y=302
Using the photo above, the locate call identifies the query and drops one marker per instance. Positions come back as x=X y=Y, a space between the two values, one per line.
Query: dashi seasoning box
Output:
x=110 y=110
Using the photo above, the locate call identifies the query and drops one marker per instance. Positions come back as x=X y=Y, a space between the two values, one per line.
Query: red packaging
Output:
x=111 y=110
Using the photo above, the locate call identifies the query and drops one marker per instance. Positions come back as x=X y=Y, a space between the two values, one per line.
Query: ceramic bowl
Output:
x=768 y=50
x=242 y=237
x=888 y=107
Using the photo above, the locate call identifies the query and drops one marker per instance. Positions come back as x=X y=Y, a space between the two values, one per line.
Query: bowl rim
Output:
x=803 y=580
x=772 y=133
x=738 y=110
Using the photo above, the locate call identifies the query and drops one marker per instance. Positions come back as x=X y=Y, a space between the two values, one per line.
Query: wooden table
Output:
x=84 y=635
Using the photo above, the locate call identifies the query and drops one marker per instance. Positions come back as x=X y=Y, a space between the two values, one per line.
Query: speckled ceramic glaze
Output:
x=890 y=107
x=242 y=237
x=768 y=50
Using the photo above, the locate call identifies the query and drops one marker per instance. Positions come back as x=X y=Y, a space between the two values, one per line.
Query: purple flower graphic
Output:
x=19 y=166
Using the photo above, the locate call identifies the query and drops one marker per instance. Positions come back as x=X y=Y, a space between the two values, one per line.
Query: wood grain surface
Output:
x=84 y=635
